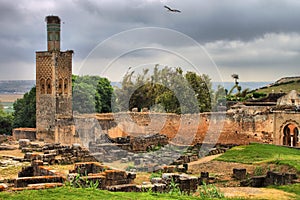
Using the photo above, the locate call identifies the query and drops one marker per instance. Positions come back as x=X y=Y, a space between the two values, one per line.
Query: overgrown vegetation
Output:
x=167 y=89
x=209 y=192
x=82 y=182
x=262 y=153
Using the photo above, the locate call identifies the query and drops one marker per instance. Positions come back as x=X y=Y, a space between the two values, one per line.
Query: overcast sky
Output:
x=257 y=39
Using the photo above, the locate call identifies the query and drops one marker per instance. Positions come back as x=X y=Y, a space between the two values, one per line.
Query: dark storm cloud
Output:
x=88 y=23
x=203 y=20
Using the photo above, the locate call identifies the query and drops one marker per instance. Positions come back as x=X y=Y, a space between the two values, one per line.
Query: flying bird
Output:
x=172 y=10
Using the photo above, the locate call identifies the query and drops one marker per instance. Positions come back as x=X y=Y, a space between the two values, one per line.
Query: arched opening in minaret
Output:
x=60 y=86
x=66 y=85
x=49 y=86
x=42 y=86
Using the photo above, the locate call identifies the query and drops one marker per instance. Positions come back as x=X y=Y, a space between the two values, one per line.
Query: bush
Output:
x=209 y=192
x=259 y=94
x=6 y=123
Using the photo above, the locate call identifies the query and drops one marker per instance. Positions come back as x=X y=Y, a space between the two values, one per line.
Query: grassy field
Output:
x=263 y=153
x=79 y=194
x=283 y=87
x=295 y=188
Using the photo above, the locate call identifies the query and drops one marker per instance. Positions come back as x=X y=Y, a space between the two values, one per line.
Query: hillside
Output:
x=282 y=85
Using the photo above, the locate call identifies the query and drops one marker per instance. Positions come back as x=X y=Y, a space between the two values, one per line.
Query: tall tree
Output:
x=104 y=95
x=91 y=94
x=202 y=86
x=25 y=110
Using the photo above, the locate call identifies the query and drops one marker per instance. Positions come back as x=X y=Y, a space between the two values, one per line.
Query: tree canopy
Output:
x=91 y=94
x=165 y=90
x=25 y=110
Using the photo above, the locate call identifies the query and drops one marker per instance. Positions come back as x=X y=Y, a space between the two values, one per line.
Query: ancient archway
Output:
x=290 y=135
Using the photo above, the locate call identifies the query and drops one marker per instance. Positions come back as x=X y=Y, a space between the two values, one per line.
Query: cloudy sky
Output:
x=257 y=39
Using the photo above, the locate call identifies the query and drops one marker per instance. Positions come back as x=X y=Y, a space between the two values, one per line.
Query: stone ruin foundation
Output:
x=87 y=169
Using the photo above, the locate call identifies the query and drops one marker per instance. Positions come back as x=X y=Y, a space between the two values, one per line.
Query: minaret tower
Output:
x=54 y=118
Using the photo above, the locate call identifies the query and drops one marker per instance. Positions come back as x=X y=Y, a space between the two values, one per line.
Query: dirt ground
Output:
x=256 y=193
x=10 y=97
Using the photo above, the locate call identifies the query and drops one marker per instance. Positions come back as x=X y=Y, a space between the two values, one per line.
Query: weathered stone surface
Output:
x=24 y=133
x=258 y=181
x=239 y=174
x=25 y=181
x=276 y=178
x=122 y=188
x=7 y=148
x=24 y=143
x=3 y=187
x=156 y=180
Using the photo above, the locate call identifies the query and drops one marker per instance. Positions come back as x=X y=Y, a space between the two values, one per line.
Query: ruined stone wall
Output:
x=24 y=133
x=224 y=128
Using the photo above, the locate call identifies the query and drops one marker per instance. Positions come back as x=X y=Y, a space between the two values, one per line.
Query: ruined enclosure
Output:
x=55 y=121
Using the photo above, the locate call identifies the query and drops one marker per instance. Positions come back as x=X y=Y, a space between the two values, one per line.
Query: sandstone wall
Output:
x=225 y=128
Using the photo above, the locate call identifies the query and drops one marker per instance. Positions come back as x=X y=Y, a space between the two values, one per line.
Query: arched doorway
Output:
x=290 y=135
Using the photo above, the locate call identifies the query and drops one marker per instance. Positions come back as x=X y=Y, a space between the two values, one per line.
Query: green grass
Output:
x=295 y=189
x=262 y=153
x=79 y=194
x=283 y=87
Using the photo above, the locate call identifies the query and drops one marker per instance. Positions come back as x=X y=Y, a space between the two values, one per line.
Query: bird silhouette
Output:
x=172 y=10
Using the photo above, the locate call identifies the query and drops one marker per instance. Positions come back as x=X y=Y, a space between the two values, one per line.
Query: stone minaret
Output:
x=54 y=118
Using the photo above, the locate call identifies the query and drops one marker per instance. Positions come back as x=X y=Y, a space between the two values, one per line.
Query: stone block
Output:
x=122 y=188
x=24 y=181
x=115 y=174
x=26 y=172
x=239 y=173
x=204 y=174
x=258 y=181
x=24 y=143
x=160 y=187
x=156 y=180
x=131 y=176
x=3 y=187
